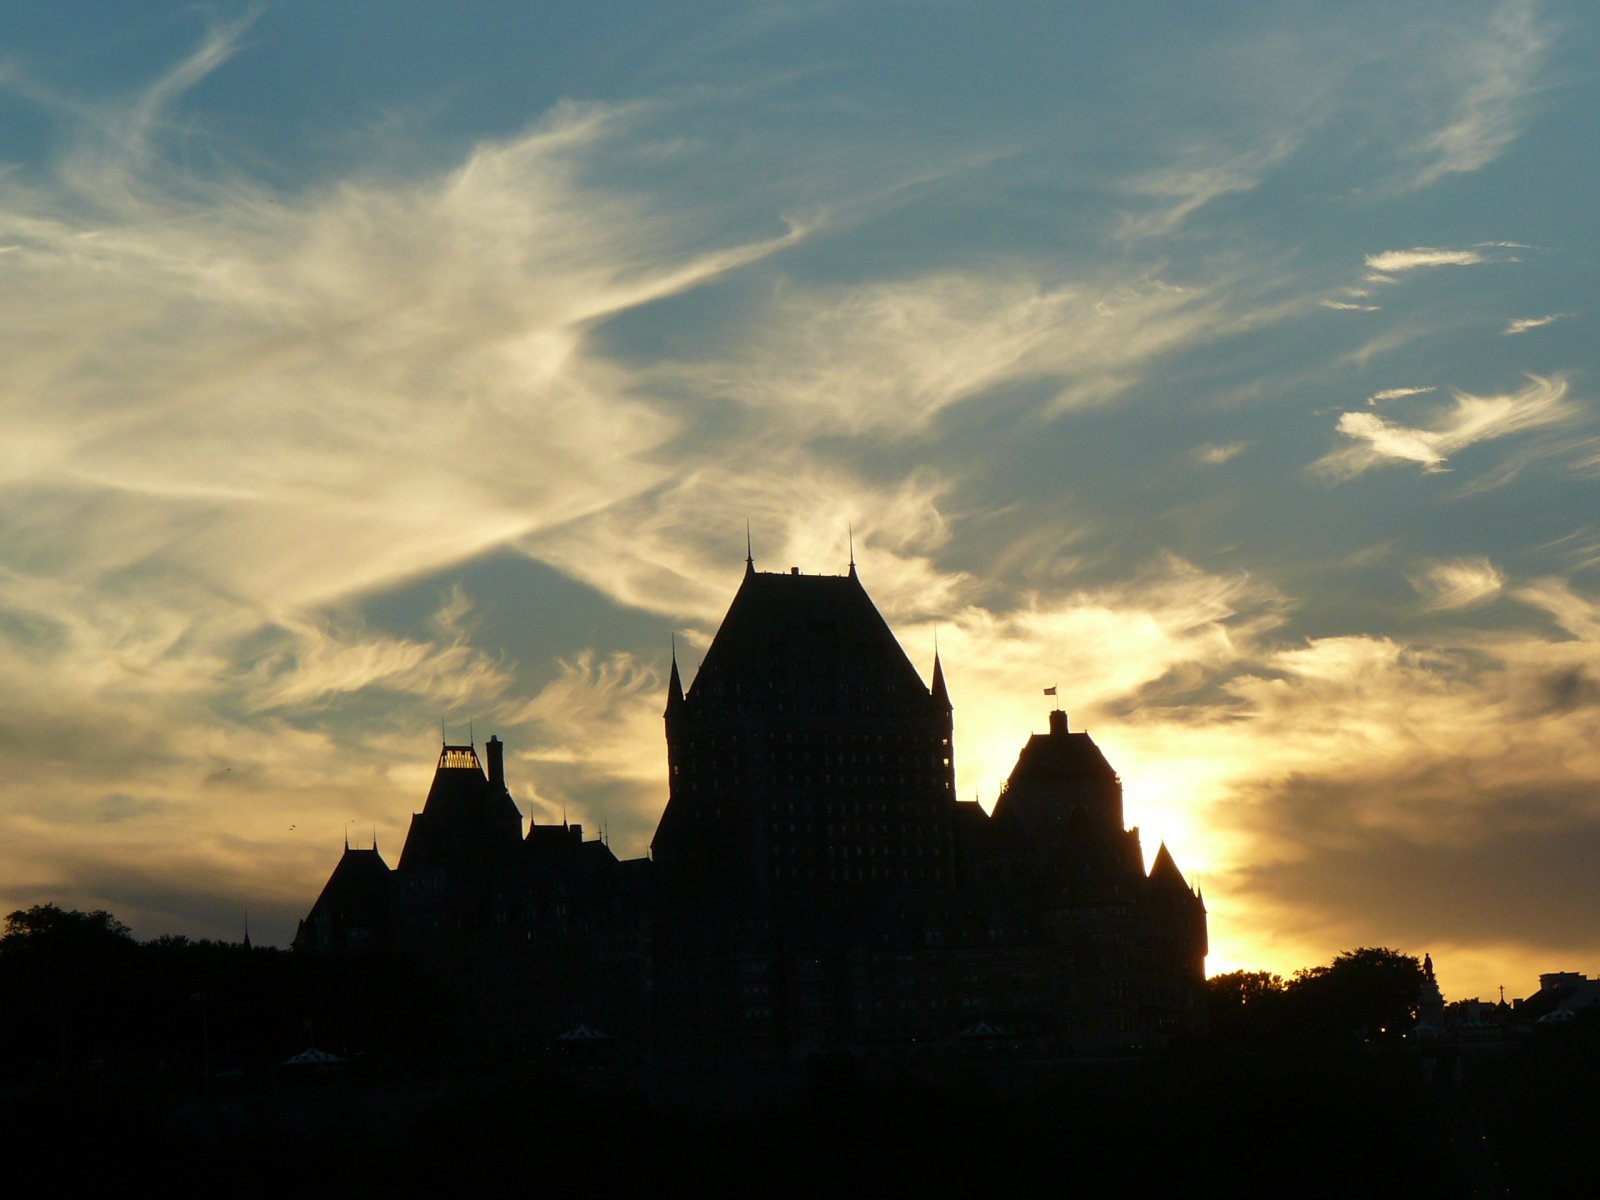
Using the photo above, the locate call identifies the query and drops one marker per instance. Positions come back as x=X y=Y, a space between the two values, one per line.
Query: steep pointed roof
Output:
x=359 y=875
x=674 y=686
x=460 y=788
x=354 y=903
x=464 y=809
x=793 y=638
x=940 y=693
x=1165 y=871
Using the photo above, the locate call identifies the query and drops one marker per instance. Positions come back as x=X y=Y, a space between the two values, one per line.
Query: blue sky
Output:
x=1229 y=367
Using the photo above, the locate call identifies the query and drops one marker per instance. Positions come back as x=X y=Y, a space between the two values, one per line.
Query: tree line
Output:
x=81 y=996
x=1368 y=993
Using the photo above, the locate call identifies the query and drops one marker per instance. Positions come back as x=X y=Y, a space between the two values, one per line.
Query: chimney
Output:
x=497 y=762
x=1058 y=723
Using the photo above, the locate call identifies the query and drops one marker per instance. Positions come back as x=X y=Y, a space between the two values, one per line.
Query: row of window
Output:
x=846 y=874
x=936 y=741
x=717 y=782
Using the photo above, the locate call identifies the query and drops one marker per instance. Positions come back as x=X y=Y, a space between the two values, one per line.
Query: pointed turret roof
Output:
x=674 y=685
x=1165 y=870
x=940 y=694
x=355 y=900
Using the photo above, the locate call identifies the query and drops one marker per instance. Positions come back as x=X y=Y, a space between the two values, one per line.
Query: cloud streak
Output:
x=1395 y=262
x=1498 y=65
x=1398 y=393
x=1458 y=583
x=1470 y=420
x=1523 y=324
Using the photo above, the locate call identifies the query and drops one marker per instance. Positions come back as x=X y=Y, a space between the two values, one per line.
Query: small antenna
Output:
x=471 y=739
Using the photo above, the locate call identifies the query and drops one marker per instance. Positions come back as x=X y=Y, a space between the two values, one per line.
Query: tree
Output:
x=45 y=928
x=1241 y=989
x=1244 y=1006
x=59 y=970
x=1370 y=991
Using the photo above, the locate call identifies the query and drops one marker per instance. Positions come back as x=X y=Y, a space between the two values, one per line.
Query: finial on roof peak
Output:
x=749 y=551
x=850 y=531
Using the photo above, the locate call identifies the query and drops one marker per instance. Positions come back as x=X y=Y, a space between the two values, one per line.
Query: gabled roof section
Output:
x=793 y=637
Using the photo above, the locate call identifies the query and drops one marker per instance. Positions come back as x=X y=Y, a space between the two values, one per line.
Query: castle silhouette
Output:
x=813 y=885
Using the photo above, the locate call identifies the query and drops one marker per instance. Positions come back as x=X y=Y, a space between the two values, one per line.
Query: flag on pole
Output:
x=1050 y=691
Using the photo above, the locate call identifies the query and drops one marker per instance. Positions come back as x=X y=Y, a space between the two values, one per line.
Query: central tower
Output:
x=807 y=757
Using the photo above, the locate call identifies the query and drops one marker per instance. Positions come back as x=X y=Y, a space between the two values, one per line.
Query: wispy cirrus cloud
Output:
x=593 y=751
x=1398 y=393
x=1491 y=67
x=1458 y=583
x=1176 y=192
x=658 y=552
x=1523 y=324
x=1470 y=419
x=888 y=356
x=1216 y=455
x=1394 y=262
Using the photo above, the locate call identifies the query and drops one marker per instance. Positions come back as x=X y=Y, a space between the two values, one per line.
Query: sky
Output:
x=377 y=373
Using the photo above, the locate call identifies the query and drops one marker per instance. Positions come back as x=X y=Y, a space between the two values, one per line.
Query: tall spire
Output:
x=749 y=552
x=850 y=531
x=938 y=692
x=674 y=683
